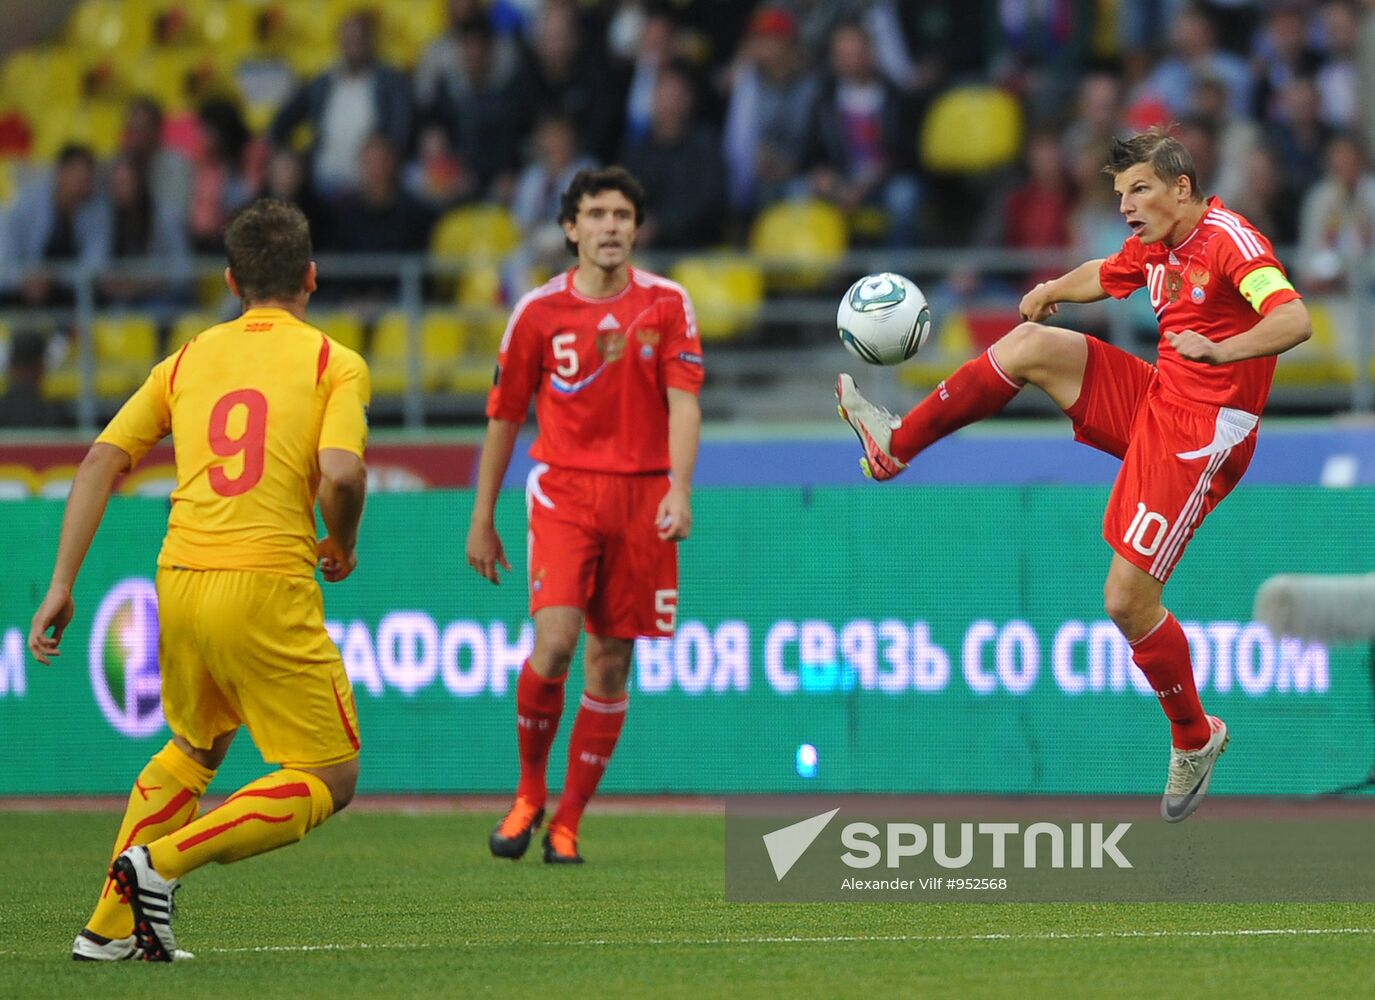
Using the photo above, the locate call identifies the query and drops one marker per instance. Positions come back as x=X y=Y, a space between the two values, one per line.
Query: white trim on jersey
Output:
x=1246 y=243
x=647 y=279
x=553 y=286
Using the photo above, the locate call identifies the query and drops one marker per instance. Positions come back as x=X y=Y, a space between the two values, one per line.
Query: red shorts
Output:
x=1179 y=458
x=594 y=545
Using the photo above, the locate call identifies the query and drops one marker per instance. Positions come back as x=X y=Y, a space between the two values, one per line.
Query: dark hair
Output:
x=587 y=182
x=74 y=151
x=268 y=247
x=1166 y=155
x=477 y=26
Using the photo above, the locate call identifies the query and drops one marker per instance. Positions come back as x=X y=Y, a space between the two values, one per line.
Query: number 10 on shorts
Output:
x=1146 y=523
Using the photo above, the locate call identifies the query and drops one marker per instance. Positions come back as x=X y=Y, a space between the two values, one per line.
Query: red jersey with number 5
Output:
x=599 y=371
x=1218 y=282
x=249 y=404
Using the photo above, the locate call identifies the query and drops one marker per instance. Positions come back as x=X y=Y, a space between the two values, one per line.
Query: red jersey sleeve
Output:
x=1125 y=271
x=1247 y=260
x=517 y=374
x=681 y=356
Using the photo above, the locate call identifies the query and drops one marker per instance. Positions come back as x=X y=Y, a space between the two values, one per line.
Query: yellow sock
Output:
x=273 y=811
x=164 y=798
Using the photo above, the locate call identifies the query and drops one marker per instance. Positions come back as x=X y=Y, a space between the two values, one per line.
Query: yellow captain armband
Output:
x=1261 y=283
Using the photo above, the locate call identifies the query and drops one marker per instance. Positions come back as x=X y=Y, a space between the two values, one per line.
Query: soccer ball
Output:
x=883 y=319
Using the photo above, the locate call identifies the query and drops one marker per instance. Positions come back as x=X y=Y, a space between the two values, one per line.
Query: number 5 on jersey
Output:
x=250 y=441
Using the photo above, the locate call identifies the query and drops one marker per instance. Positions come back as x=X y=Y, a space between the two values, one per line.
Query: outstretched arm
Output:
x=91 y=489
x=1079 y=285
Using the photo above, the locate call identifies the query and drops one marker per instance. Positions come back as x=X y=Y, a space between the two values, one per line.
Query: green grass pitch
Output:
x=410 y=905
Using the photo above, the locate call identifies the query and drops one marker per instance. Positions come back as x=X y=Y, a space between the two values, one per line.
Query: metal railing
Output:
x=791 y=333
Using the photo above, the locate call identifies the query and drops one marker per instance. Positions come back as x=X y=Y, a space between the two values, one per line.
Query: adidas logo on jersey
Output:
x=608 y=323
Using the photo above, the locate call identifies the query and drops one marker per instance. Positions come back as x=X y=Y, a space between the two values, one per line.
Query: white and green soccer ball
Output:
x=883 y=319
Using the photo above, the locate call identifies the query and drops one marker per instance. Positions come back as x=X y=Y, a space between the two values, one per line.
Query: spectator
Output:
x=1035 y=214
x=1337 y=76
x=1337 y=220
x=436 y=176
x=149 y=237
x=1300 y=137
x=861 y=138
x=1267 y=199
x=653 y=51
x=679 y=164
x=537 y=199
x=817 y=20
x=1098 y=114
x=1236 y=137
x=58 y=218
x=23 y=404
x=1281 y=54
x=218 y=186
x=561 y=74
x=345 y=105
x=772 y=95
x=481 y=114
x=168 y=172
x=1194 y=53
x=444 y=63
x=382 y=217
x=288 y=179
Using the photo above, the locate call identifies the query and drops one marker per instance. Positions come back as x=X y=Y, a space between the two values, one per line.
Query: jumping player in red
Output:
x=1184 y=428
x=610 y=354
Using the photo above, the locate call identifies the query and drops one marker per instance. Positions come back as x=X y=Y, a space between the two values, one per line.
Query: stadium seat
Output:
x=480 y=296
x=479 y=233
x=971 y=130
x=949 y=346
x=123 y=26
x=186 y=326
x=1321 y=361
x=343 y=326
x=8 y=186
x=126 y=347
x=442 y=341
x=799 y=243
x=40 y=79
x=727 y=292
x=98 y=124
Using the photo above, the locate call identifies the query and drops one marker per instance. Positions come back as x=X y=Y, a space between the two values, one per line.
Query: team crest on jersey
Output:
x=611 y=345
x=1199 y=276
x=1198 y=294
x=1174 y=284
x=649 y=342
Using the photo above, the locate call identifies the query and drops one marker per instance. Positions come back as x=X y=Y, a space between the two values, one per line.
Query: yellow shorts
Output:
x=243 y=648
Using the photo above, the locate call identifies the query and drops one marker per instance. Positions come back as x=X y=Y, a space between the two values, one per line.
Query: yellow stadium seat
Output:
x=799 y=242
x=187 y=326
x=970 y=130
x=341 y=326
x=41 y=79
x=126 y=347
x=124 y=26
x=442 y=341
x=727 y=292
x=166 y=76
x=97 y=124
x=7 y=182
x=481 y=233
x=1320 y=361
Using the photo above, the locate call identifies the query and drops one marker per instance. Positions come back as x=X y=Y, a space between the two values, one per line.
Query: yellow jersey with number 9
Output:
x=249 y=405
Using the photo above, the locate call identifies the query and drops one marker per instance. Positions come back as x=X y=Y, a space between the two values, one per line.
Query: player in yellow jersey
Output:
x=269 y=416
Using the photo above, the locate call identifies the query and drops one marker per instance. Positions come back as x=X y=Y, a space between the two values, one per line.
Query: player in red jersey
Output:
x=1184 y=428
x=610 y=354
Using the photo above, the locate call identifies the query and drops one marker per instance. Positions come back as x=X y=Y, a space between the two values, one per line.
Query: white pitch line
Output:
x=1268 y=932
x=830 y=939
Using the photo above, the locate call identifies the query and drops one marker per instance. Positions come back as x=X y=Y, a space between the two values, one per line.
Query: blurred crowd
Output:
x=722 y=109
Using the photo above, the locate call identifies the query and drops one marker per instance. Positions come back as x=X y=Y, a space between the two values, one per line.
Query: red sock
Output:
x=978 y=388
x=539 y=703
x=595 y=732
x=1163 y=656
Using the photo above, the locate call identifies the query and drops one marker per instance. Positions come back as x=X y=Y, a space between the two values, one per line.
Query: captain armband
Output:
x=1261 y=283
